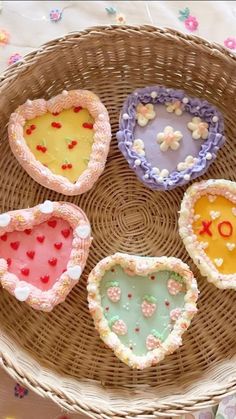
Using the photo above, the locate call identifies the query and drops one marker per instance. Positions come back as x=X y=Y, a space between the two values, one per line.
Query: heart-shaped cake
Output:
x=141 y=306
x=168 y=137
x=207 y=225
x=43 y=251
x=62 y=143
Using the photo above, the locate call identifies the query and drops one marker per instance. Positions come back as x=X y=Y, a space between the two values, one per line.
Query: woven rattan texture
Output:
x=60 y=354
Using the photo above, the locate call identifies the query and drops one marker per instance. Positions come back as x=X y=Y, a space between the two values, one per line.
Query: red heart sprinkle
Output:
x=56 y=113
x=58 y=245
x=4 y=237
x=32 y=127
x=65 y=233
x=52 y=223
x=40 y=239
x=88 y=125
x=25 y=271
x=30 y=254
x=77 y=109
x=52 y=261
x=15 y=245
x=44 y=278
x=27 y=231
x=28 y=131
x=9 y=261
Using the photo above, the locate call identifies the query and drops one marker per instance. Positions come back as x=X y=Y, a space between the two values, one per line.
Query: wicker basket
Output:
x=59 y=354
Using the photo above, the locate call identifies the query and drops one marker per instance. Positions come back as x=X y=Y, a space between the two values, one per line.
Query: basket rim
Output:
x=11 y=366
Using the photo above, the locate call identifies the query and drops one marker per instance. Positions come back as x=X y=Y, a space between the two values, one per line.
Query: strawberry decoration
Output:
x=174 y=286
x=175 y=314
x=118 y=326
x=148 y=305
x=153 y=340
x=113 y=291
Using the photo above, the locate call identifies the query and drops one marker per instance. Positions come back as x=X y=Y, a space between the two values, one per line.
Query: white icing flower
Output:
x=175 y=107
x=189 y=162
x=199 y=128
x=169 y=139
x=144 y=113
x=138 y=147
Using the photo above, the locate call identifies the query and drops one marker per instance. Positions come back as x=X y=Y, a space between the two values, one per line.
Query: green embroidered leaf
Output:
x=150 y=299
x=111 y=10
x=184 y=14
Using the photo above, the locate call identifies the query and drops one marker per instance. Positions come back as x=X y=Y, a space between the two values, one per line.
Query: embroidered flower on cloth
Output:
x=144 y=113
x=20 y=391
x=14 y=58
x=55 y=15
x=189 y=162
x=169 y=139
x=120 y=19
x=175 y=107
x=191 y=23
x=199 y=128
x=4 y=37
x=230 y=42
x=138 y=147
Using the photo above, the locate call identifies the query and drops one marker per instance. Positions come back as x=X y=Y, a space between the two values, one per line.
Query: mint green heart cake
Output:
x=141 y=306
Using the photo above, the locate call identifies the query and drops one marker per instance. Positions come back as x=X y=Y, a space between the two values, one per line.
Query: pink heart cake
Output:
x=207 y=225
x=62 y=143
x=141 y=306
x=43 y=251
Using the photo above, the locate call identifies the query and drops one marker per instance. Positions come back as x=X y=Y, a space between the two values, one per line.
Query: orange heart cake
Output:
x=141 y=306
x=62 y=143
x=43 y=251
x=207 y=225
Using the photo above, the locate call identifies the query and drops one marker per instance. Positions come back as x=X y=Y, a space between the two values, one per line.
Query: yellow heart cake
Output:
x=207 y=225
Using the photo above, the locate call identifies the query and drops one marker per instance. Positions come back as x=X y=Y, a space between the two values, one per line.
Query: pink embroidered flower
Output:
x=20 y=391
x=4 y=37
x=230 y=412
x=191 y=23
x=120 y=19
x=14 y=58
x=55 y=15
x=230 y=42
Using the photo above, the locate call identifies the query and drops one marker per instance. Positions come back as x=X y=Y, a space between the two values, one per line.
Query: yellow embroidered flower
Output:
x=138 y=147
x=120 y=19
x=169 y=139
x=175 y=107
x=199 y=128
x=144 y=113
x=189 y=162
x=4 y=37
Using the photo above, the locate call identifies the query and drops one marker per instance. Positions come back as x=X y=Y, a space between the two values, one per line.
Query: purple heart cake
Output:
x=168 y=137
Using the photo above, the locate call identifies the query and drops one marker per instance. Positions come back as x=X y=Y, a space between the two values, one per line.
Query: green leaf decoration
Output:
x=112 y=284
x=150 y=299
x=177 y=277
x=157 y=335
x=110 y=10
x=113 y=320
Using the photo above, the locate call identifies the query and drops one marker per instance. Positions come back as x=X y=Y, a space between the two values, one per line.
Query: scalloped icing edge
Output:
x=141 y=266
x=220 y=187
x=195 y=107
x=65 y=100
x=30 y=217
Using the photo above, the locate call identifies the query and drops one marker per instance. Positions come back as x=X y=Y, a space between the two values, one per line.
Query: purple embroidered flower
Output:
x=206 y=415
x=230 y=42
x=14 y=58
x=191 y=23
x=230 y=412
x=55 y=15
x=20 y=391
